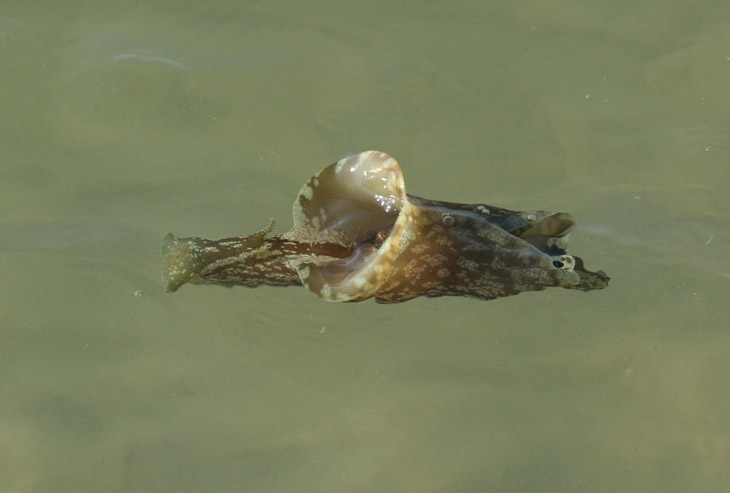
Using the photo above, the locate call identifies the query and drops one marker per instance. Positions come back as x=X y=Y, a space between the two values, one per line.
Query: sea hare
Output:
x=357 y=234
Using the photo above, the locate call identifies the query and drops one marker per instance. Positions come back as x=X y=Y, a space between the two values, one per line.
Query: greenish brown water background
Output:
x=123 y=121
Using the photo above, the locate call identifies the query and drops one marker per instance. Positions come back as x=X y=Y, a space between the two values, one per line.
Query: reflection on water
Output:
x=123 y=122
x=147 y=57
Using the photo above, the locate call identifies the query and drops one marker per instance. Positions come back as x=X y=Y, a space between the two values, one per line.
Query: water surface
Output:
x=124 y=121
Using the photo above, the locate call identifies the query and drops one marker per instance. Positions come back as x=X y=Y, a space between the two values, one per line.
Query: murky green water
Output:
x=124 y=121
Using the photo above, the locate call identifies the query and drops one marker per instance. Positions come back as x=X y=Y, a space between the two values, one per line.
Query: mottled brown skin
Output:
x=241 y=261
x=468 y=250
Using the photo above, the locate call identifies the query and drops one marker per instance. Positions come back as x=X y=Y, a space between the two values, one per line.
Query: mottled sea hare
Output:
x=358 y=235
